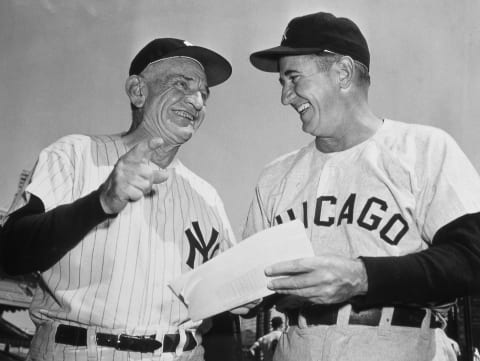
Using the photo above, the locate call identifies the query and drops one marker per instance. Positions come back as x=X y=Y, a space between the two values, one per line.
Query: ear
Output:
x=137 y=90
x=346 y=66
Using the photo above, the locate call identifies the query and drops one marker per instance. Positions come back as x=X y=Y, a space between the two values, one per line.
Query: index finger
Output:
x=145 y=148
x=286 y=268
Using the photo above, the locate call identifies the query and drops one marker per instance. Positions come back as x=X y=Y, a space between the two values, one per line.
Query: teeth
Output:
x=303 y=107
x=184 y=114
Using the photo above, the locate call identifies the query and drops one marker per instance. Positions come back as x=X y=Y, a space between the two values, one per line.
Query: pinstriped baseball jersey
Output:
x=116 y=277
x=384 y=197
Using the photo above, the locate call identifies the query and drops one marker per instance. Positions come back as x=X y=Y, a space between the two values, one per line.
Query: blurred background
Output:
x=63 y=65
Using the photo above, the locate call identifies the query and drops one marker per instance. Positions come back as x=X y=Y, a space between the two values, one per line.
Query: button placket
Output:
x=324 y=187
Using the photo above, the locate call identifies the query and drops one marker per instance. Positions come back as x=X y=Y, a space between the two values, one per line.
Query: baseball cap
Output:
x=314 y=33
x=217 y=68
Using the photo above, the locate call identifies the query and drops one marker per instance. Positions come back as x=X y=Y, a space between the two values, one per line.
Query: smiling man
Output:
x=112 y=219
x=391 y=208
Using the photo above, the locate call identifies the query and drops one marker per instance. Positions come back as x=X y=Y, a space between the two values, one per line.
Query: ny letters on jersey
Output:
x=197 y=242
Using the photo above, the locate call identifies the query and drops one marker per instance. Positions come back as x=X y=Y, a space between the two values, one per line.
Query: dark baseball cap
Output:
x=217 y=68
x=312 y=34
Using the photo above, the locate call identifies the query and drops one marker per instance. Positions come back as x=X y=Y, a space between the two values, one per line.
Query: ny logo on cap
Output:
x=284 y=36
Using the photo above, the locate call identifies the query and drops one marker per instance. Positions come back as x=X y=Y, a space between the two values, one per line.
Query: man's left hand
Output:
x=324 y=279
x=244 y=309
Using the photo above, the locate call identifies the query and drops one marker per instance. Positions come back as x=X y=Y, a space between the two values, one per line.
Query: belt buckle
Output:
x=137 y=343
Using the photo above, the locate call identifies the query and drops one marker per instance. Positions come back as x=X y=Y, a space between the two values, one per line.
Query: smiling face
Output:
x=175 y=105
x=312 y=92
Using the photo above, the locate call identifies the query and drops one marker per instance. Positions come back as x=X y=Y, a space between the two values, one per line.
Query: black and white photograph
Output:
x=239 y=180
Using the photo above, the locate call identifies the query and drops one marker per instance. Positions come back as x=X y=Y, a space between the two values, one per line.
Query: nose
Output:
x=287 y=94
x=195 y=98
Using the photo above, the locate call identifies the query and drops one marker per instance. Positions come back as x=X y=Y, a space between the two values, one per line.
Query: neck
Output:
x=355 y=125
x=162 y=157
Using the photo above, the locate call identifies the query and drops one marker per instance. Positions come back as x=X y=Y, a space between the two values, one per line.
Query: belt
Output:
x=77 y=336
x=327 y=315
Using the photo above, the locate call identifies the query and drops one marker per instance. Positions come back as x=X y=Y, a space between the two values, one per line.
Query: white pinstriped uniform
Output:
x=386 y=196
x=116 y=278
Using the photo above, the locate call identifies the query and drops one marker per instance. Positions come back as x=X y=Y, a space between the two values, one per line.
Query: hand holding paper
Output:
x=325 y=279
x=237 y=277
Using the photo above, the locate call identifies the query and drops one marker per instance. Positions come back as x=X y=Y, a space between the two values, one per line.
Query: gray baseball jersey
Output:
x=386 y=196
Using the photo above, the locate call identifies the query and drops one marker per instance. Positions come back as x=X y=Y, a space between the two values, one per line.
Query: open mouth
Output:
x=184 y=118
x=184 y=114
x=302 y=108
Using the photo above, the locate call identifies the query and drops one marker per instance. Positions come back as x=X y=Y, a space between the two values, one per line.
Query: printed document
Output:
x=236 y=276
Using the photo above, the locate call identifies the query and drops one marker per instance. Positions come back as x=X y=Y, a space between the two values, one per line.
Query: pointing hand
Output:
x=132 y=177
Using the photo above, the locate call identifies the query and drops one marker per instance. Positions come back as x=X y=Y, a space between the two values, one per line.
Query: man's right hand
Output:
x=132 y=177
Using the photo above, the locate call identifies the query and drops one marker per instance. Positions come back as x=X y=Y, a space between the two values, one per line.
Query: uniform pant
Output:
x=344 y=342
x=44 y=348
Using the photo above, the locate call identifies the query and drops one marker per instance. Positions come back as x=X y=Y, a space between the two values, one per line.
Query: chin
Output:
x=182 y=134
x=305 y=128
x=184 y=137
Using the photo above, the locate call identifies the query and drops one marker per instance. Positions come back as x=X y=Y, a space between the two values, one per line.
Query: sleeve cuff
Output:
x=90 y=204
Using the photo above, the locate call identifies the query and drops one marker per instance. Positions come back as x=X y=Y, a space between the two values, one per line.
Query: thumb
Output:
x=153 y=144
x=160 y=175
x=144 y=149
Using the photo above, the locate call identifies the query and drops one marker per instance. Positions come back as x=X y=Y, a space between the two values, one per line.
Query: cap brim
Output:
x=217 y=68
x=267 y=60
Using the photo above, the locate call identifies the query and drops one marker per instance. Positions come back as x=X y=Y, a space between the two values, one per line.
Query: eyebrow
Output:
x=287 y=73
x=290 y=72
x=207 y=89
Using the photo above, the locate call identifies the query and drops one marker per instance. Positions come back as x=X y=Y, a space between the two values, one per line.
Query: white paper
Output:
x=236 y=276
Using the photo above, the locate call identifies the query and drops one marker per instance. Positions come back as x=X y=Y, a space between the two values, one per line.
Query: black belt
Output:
x=77 y=336
x=327 y=315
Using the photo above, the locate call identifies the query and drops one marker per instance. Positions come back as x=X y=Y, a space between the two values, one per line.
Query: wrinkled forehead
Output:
x=179 y=65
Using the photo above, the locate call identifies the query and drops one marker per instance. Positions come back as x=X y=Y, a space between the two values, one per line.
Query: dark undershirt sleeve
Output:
x=34 y=240
x=450 y=268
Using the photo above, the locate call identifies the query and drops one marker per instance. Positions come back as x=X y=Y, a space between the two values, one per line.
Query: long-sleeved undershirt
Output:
x=450 y=268
x=34 y=240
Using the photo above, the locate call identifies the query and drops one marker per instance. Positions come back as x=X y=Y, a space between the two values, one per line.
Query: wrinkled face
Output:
x=177 y=93
x=311 y=92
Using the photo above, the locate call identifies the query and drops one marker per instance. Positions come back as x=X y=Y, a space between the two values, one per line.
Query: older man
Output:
x=392 y=210
x=112 y=219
